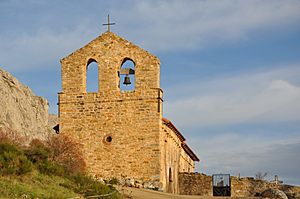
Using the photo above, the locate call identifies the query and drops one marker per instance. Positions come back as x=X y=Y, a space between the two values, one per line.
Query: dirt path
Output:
x=135 y=193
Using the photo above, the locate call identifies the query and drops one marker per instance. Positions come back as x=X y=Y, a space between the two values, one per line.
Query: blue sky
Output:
x=230 y=69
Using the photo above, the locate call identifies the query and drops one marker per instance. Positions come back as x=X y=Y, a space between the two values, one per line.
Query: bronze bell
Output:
x=126 y=80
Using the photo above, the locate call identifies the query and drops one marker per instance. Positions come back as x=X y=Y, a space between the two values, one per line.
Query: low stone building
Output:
x=121 y=128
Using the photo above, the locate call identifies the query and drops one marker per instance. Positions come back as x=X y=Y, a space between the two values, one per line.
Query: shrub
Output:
x=9 y=136
x=59 y=156
x=37 y=152
x=67 y=153
x=39 y=155
x=13 y=160
x=87 y=186
x=260 y=175
x=7 y=146
x=51 y=168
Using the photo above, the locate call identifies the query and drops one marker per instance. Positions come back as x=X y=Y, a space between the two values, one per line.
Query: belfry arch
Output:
x=126 y=75
x=92 y=76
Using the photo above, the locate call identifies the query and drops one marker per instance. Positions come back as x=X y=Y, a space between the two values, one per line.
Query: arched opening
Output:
x=92 y=76
x=127 y=75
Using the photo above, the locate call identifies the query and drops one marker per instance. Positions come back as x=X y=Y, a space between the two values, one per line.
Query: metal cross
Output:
x=108 y=24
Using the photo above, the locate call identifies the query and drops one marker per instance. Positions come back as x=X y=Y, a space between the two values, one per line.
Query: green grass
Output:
x=28 y=173
x=34 y=185
x=37 y=185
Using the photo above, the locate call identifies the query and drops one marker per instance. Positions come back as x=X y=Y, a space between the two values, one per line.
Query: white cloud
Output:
x=236 y=153
x=26 y=50
x=266 y=96
x=172 y=25
x=154 y=25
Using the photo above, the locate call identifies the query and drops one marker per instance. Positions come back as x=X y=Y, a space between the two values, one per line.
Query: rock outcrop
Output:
x=22 y=111
x=52 y=121
x=274 y=194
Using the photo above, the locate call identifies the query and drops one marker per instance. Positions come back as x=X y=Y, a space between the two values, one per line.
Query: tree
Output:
x=260 y=175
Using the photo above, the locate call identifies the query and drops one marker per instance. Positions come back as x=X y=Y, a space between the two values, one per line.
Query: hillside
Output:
x=46 y=170
x=21 y=110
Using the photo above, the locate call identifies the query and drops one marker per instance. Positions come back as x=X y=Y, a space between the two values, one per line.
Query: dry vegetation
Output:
x=54 y=168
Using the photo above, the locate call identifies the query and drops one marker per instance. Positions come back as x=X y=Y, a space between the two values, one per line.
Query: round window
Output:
x=107 y=139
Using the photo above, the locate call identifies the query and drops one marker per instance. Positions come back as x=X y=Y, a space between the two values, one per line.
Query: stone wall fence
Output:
x=201 y=184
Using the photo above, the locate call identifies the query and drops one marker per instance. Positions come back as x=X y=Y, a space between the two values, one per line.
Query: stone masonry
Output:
x=121 y=131
x=201 y=184
x=175 y=156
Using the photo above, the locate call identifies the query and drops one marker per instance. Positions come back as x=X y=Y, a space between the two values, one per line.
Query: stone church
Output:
x=123 y=132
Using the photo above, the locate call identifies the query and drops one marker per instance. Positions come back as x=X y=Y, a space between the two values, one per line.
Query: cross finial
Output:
x=108 y=24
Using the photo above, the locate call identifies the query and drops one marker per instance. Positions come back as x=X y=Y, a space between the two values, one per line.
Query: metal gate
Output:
x=221 y=185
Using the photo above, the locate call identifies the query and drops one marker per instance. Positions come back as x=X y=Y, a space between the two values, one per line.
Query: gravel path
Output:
x=136 y=193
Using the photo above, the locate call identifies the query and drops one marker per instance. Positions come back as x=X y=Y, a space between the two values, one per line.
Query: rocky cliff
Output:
x=20 y=110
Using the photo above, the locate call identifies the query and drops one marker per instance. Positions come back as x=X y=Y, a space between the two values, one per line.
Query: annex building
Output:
x=123 y=132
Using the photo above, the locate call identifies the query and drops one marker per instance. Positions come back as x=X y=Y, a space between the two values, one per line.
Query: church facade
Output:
x=122 y=132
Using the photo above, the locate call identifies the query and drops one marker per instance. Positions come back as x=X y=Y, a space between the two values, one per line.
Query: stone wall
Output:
x=195 y=184
x=119 y=131
x=122 y=132
x=173 y=159
x=242 y=187
x=201 y=184
x=186 y=164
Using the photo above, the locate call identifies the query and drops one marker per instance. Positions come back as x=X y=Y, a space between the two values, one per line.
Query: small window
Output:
x=170 y=175
x=92 y=76
x=127 y=75
x=107 y=139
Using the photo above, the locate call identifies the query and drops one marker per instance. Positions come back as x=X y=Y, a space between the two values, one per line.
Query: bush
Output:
x=59 y=156
x=87 y=186
x=51 y=168
x=39 y=155
x=9 y=147
x=57 y=149
x=37 y=152
x=13 y=160
x=9 y=136
x=67 y=153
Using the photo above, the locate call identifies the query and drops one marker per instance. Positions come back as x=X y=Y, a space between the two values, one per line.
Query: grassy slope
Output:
x=34 y=185
x=33 y=172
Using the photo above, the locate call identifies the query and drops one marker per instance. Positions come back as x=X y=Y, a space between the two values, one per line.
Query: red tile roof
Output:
x=176 y=131
x=189 y=151
x=185 y=147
